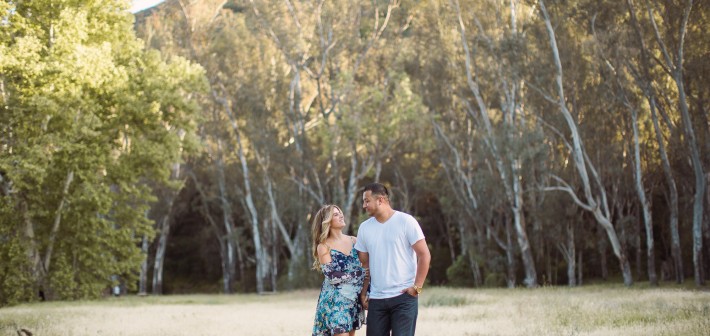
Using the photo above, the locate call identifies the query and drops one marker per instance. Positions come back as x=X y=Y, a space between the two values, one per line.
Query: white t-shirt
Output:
x=393 y=262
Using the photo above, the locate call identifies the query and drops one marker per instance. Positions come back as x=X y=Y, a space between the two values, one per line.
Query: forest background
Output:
x=185 y=149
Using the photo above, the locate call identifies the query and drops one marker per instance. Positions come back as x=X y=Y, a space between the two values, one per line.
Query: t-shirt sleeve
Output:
x=360 y=244
x=413 y=230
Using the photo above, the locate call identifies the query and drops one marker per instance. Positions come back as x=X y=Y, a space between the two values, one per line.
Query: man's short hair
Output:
x=377 y=189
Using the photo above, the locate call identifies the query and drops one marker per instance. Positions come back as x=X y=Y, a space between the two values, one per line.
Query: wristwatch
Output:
x=418 y=289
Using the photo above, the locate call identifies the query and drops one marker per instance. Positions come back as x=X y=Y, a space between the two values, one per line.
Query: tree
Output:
x=596 y=204
x=88 y=118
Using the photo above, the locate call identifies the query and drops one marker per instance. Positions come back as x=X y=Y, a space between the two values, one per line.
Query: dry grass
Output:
x=589 y=310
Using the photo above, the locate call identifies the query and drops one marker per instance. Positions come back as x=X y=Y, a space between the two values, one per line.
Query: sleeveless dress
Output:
x=339 y=307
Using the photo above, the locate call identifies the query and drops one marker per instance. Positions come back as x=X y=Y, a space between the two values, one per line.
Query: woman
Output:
x=339 y=310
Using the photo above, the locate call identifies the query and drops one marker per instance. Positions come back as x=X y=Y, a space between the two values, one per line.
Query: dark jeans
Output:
x=398 y=314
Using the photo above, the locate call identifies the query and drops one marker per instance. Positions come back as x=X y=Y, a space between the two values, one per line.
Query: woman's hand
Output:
x=365 y=300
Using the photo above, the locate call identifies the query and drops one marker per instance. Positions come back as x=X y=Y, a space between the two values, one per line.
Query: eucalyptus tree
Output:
x=336 y=87
x=500 y=67
x=669 y=40
x=641 y=70
x=594 y=194
x=619 y=85
x=89 y=120
x=347 y=101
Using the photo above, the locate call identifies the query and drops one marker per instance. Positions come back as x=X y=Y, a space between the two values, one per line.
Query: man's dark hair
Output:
x=377 y=189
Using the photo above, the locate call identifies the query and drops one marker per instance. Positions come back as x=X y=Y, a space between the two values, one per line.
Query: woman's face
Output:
x=338 y=221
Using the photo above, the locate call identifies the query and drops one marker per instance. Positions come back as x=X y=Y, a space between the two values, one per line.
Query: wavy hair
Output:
x=321 y=229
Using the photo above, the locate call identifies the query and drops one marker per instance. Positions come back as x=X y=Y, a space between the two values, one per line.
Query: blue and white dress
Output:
x=339 y=307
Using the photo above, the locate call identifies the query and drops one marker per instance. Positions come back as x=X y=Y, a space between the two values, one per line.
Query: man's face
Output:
x=370 y=202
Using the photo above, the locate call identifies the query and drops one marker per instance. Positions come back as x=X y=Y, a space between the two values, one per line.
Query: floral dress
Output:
x=339 y=307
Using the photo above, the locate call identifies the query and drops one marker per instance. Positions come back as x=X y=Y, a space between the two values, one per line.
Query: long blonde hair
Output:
x=320 y=229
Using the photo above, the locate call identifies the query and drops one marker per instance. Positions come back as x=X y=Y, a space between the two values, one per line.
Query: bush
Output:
x=459 y=274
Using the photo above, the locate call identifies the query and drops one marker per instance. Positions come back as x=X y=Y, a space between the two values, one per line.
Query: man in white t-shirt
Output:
x=391 y=244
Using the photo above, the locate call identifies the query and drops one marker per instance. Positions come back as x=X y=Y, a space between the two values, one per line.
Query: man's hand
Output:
x=365 y=301
x=411 y=291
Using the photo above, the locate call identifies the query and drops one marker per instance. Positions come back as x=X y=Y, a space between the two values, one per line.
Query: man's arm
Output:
x=423 y=260
x=365 y=261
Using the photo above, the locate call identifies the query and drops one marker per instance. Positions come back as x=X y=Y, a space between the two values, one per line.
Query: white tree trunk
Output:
x=163 y=232
x=512 y=184
x=676 y=70
x=143 y=277
x=645 y=203
x=57 y=221
x=592 y=202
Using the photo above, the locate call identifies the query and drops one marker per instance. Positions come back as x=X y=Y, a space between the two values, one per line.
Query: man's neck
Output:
x=384 y=215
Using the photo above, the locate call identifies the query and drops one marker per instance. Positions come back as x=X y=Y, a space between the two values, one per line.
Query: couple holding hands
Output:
x=381 y=271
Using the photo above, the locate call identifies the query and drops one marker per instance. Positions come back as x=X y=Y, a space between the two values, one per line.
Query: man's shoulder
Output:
x=405 y=216
x=365 y=223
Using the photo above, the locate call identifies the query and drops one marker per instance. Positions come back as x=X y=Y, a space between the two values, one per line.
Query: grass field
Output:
x=587 y=310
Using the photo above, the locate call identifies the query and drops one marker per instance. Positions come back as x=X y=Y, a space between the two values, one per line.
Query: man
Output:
x=391 y=244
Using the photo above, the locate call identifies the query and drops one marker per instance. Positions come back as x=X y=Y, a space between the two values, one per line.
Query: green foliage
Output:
x=290 y=78
x=459 y=273
x=16 y=282
x=82 y=99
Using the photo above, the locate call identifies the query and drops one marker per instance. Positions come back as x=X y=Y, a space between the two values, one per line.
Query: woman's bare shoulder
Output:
x=322 y=248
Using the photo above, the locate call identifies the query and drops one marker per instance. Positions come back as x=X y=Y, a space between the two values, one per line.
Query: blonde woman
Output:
x=339 y=311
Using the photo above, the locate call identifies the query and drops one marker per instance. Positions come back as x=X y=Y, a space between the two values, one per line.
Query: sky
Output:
x=139 y=5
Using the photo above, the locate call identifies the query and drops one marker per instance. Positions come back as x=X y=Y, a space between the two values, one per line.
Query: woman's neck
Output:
x=336 y=234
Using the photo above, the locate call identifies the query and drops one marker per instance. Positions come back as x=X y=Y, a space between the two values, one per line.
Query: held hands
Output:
x=365 y=300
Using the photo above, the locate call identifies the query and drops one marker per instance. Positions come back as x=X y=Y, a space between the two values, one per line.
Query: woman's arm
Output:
x=336 y=277
x=323 y=254
x=365 y=261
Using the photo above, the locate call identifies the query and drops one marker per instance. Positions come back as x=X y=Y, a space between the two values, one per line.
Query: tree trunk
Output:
x=475 y=270
x=647 y=87
x=698 y=200
x=637 y=244
x=568 y=251
x=602 y=257
x=143 y=277
x=511 y=183
x=645 y=203
x=32 y=251
x=510 y=254
x=676 y=71
x=261 y=255
x=163 y=232
x=593 y=204
x=521 y=232
x=57 y=221
x=580 y=268
x=673 y=196
x=226 y=242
